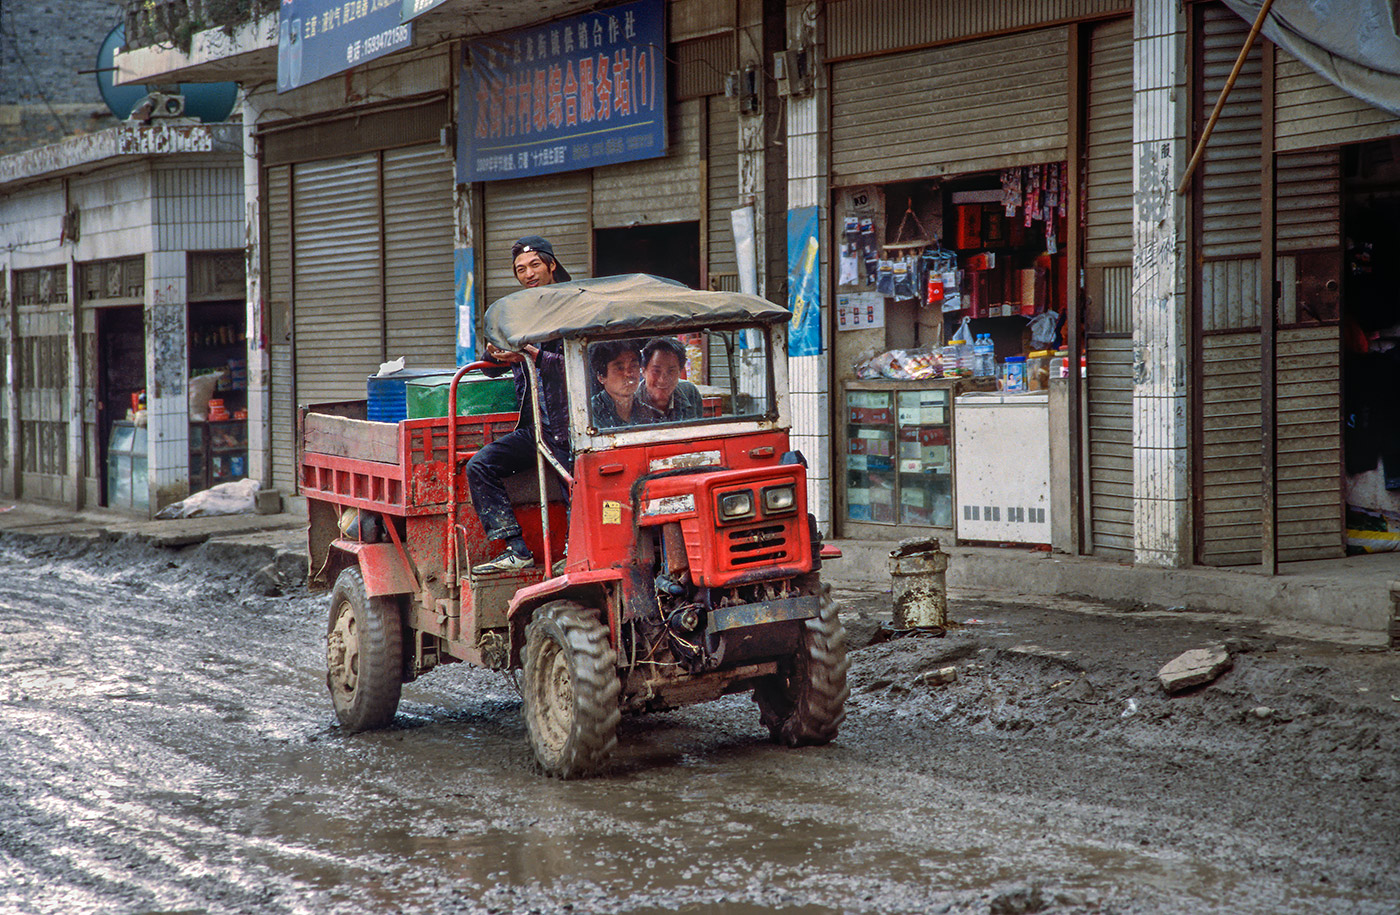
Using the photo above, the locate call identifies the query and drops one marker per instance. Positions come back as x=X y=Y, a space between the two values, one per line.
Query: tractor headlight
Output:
x=738 y=504
x=779 y=499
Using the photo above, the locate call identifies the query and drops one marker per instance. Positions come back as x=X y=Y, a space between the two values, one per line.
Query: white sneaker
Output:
x=509 y=561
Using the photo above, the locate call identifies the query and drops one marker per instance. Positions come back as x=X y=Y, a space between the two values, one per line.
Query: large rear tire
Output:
x=364 y=655
x=806 y=705
x=570 y=690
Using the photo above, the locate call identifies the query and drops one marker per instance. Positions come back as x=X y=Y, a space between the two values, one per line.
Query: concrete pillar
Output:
x=259 y=418
x=807 y=178
x=1161 y=267
x=167 y=374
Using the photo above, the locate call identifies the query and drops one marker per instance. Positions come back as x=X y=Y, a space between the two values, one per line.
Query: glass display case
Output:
x=899 y=455
x=127 y=485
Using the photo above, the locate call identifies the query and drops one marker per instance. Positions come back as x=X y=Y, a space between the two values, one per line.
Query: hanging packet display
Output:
x=884 y=281
x=901 y=281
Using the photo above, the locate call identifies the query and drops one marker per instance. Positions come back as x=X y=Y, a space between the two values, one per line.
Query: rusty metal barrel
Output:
x=919 y=586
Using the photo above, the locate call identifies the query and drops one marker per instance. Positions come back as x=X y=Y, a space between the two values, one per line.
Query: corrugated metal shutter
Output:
x=1108 y=255
x=724 y=193
x=281 y=380
x=1309 y=219
x=978 y=105
x=666 y=189
x=419 y=311
x=860 y=27
x=1230 y=167
x=338 y=317
x=1231 y=451
x=555 y=206
x=1310 y=111
x=1309 y=462
x=1109 y=465
x=1108 y=232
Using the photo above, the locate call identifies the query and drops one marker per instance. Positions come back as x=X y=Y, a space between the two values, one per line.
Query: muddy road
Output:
x=167 y=745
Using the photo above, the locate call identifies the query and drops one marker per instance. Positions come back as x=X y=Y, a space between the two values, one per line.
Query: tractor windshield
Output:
x=702 y=376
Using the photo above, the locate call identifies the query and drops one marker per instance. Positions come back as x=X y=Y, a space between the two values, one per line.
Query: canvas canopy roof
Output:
x=633 y=303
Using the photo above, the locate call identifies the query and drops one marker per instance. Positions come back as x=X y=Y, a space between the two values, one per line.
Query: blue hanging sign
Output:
x=576 y=93
x=319 y=38
x=804 y=282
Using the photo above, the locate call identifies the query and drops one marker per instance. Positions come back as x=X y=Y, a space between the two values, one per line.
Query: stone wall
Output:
x=43 y=46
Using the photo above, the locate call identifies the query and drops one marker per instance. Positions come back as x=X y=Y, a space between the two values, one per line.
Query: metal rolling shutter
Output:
x=1230 y=168
x=724 y=192
x=555 y=206
x=1108 y=255
x=862 y=27
x=419 y=311
x=338 y=318
x=964 y=107
x=281 y=382
x=1310 y=111
x=1309 y=461
x=1230 y=492
x=666 y=189
x=1230 y=489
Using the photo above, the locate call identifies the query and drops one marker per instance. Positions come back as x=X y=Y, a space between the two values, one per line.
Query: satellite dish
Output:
x=210 y=102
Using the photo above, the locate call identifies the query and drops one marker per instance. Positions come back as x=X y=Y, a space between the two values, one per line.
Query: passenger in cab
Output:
x=617 y=364
x=669 y=397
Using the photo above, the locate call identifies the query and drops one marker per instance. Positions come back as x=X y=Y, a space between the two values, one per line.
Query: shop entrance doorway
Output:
x=121 y=376
x=671 y=250
x=1371 y=339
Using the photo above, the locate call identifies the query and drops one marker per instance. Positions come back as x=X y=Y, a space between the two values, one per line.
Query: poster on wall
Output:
x=804 y=283
x=860 y=311
x=576 y=93
x=319 y=38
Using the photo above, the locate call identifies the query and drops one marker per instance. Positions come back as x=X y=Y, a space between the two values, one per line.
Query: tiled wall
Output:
x=1161 y=457
x=167 y=398
x=808 y=376
x=199 y=207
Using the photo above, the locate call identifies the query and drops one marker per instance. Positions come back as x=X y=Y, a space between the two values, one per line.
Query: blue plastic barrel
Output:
x=387 y=396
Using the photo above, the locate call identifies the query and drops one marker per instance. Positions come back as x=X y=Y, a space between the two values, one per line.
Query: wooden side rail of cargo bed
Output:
x=394 y=468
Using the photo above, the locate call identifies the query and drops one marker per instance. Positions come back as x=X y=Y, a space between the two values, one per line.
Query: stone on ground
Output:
x=1194 y=667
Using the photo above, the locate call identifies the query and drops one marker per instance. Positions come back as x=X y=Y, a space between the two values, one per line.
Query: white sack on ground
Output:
x=234 y=498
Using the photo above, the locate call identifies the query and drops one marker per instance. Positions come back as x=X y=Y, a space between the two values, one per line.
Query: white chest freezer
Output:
x=1001 y=445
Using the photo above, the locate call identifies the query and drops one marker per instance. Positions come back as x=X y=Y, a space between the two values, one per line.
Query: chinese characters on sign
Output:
x=576 y=93
x=319 y=38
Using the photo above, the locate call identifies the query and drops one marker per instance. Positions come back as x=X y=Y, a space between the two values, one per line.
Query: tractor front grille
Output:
x=754 y=545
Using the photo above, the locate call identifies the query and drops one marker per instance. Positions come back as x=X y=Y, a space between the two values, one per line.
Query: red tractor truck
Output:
x=691 y=567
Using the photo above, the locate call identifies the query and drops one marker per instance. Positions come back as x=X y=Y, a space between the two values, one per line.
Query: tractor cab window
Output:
x=686 y=378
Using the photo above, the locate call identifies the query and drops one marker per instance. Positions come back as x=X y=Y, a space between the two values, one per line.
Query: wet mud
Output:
x=167 y=745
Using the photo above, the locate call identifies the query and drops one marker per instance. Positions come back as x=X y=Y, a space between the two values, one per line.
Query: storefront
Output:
x=952 y=210
x=359 y=228
x=121 y=252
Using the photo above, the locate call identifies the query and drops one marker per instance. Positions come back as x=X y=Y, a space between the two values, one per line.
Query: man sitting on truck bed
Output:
x=535 y=265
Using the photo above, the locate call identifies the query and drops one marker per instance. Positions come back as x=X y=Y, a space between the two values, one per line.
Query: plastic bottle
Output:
x=984 y=351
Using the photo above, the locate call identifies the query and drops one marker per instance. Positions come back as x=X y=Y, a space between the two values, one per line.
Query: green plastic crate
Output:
x=476 y=394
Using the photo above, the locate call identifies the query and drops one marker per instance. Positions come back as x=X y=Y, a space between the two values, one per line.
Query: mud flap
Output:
x=385 y=572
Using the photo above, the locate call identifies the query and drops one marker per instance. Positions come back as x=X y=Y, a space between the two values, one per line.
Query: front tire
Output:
x=570 y=690
x=805 y=706
x=364 y=655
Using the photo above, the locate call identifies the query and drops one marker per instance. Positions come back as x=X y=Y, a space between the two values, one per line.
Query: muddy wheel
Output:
x=364 y=655
x=570 y=689
x=806 y=705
